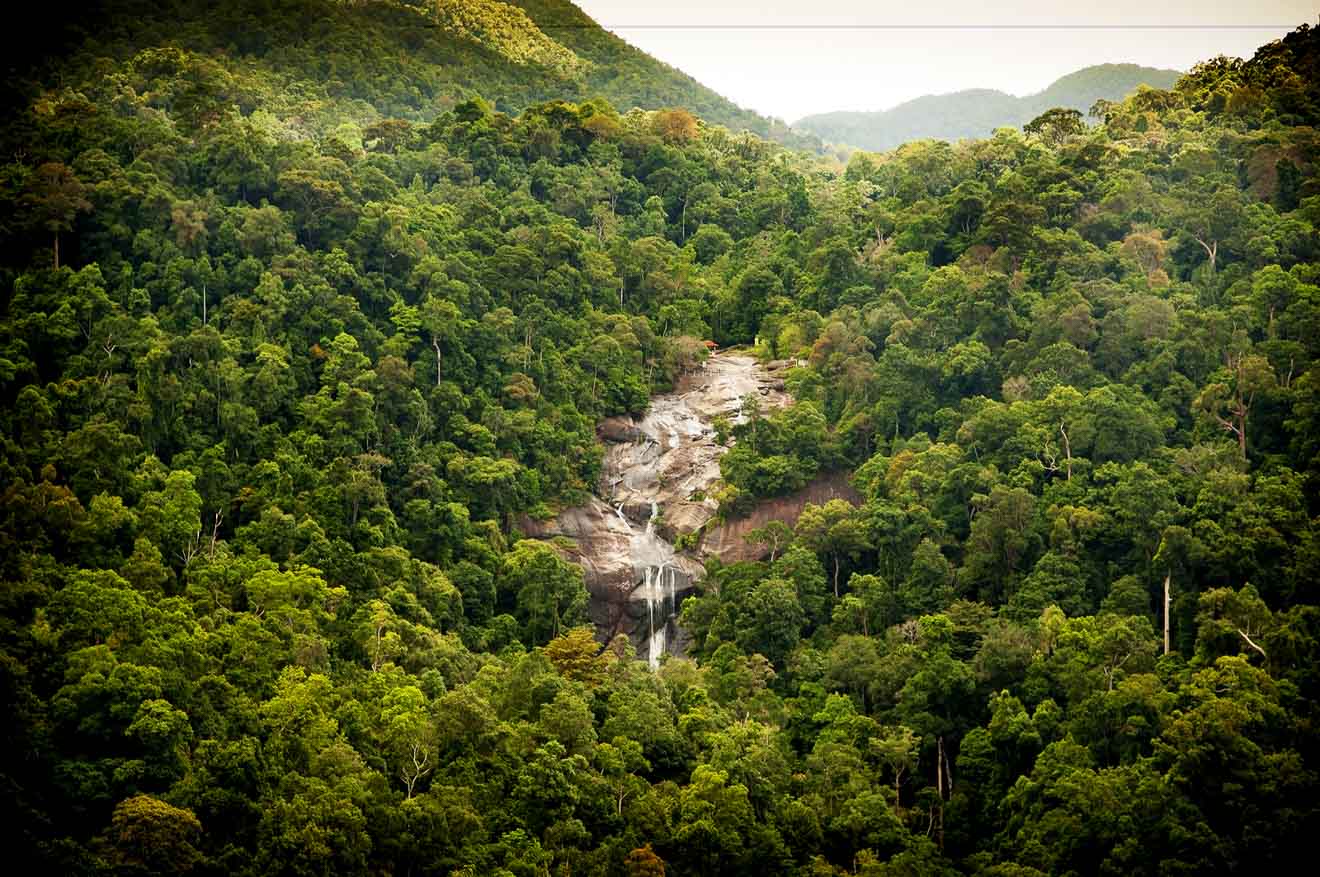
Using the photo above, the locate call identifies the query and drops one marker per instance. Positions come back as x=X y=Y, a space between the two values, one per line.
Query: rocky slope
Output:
x=657 y=473
x=727 y=540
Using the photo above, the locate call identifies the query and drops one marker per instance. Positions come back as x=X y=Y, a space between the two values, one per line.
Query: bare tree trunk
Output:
x=939 y=767
x=939 y=788
x=948 y=773
x=1067 y=449
x=215 y=532
x=375 y=658
x=1211 y=250
x=436 y=344
x=1250 y=643
x=57 y=251
x=1166 y=611
x=420 y=767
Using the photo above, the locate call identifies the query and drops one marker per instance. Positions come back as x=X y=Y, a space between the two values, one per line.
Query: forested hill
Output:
x=978 y=112
x=289 y=352
x=409 y=59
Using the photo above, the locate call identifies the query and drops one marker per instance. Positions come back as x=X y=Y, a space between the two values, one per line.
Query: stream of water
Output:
x=666 y=470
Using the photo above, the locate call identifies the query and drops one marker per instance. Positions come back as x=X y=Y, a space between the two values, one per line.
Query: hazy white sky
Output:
x=791 y=59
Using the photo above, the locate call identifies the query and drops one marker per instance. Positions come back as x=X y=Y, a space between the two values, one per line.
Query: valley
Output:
x=439 y=438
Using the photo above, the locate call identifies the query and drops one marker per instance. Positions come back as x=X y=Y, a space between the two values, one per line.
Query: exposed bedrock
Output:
x=657 y=472
x=727 y=540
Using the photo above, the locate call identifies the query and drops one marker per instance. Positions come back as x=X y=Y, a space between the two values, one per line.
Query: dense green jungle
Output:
x=306 y=306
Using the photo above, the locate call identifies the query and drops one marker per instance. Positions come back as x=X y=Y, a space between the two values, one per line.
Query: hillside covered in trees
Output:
x=288 y=348
x=978 y=112
x=358 y=60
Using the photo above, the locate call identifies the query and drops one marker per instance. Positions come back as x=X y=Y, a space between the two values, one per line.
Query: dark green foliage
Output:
x=327 y=328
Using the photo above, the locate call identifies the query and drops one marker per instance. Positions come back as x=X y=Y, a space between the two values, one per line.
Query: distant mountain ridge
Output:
x=977 y=112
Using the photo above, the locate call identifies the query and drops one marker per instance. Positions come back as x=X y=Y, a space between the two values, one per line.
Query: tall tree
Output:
x=54 y=198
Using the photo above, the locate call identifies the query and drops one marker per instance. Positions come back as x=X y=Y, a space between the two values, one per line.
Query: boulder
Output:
x=619 y=428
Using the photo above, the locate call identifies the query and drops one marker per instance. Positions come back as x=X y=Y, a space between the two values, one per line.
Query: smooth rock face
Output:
x=671 y=456
x=657 y=471
x=728 y=539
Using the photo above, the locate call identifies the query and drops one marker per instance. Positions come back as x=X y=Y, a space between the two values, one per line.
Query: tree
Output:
x=1001 y=539
x=929 y=584
x=1056 y=125
x=577 y=656
x=775 y=534
x=620 y=763
x=643 y=862
x=188 y=219
x=1212 y=220
x=1228 y=402
x=1147 y=248
x=55 y=197
x=1225 y=749
x=164 y=734
x=318 y=197
x=1232 y=622
x=1102 y=649
x=676 y=126
x=146 y=833
x=547 y=590
x=410 y=734
x=770 y=619
x=1052 y=817
x=833 y=529
x=898 y=747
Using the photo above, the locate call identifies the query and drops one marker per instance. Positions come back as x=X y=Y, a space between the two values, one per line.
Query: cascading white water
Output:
x=653 y=588
x=656 y=644
x=669 y=459
x=666 y=461
x=671 y=608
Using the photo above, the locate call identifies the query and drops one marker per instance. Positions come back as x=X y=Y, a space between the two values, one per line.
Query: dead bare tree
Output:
x=420 y=767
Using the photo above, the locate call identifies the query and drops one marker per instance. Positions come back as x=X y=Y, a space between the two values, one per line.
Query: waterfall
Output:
x=660 y=588
x=657 y=638
x=653 y=588
x=672 y=610
x=667 y=462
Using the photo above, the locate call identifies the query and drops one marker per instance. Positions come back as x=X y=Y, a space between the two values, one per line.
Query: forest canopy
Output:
x=293 y=339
